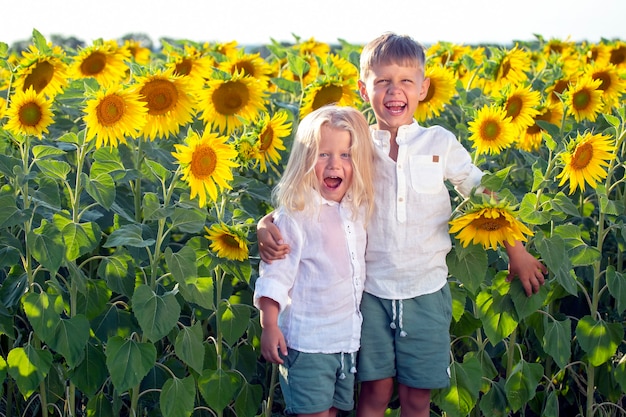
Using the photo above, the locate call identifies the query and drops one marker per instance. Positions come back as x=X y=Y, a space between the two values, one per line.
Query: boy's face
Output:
x=394 y=92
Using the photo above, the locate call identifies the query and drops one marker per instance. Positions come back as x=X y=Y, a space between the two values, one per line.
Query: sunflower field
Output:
x=132 y=179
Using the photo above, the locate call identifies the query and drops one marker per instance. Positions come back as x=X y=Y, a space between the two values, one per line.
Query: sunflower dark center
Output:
x=160 y=95
x=489 y=224
x=605 y=79
x=110 y=110
x=582 y=156
x=94 y=64
x=230 y=241
x=30 y=114
x=266 y=138
x=326 y=95
x=40 y=77
x=581 y=99
x=490 y=130
x=514 y=107
x=203 y=162
x=230 y=97
x=183 y=67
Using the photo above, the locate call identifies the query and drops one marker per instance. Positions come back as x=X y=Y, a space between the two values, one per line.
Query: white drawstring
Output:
x=393 y=316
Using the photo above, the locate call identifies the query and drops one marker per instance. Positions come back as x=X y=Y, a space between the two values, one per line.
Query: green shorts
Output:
x=315 y=382
x=407 y=339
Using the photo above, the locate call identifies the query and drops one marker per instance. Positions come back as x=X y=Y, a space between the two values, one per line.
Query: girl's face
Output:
x=333 y=168
x=394 y=91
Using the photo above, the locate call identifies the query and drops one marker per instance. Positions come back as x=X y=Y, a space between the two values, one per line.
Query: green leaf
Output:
x=128 y=362
x=28 y=366
x=233 y=320
x=557 y=341
x=92 y=372
x=599 y=339
x=182 y=264
x=497 y=319
x=3 y=374
x=188 y=220
x=70 y=338
x=101 y=188
x=117 y=270
x=10 y=215
x=528 y=212
x=44 y=313
x=564 y=204
x=100 y=406
x=556 y=258
x=200 y=293
x=107 y=161
x=46 y=246
x=494 y=181
x=156 y=314
x=189 y=346
x=54 y=169
x=468 y=265
x=128 y=235
x=177 y=397
x=460 y=398
x=551 y=407
x=521 y=385
x=616 y=282
x=114 y=322
x=80 y=238
x=94 y=301
x=494 y=402
x=218 y=387
x=151 y=207
x=248 y=399
x=46 y=151
x=620 y=372
x=525 y=305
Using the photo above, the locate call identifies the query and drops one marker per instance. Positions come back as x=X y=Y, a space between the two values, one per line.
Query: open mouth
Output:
x=395 y=106
x=332 y=182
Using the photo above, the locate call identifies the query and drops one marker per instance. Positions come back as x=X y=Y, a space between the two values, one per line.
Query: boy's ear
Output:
x=425 y=86
x=363 y=91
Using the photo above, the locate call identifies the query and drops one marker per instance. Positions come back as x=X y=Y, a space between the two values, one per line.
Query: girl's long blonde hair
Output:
x=293 y=189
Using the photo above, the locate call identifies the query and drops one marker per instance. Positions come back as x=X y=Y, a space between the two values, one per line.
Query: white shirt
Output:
x=408 y=237
x=319 y=285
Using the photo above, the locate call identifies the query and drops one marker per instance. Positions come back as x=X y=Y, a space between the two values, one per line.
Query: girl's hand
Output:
x=530 y=271
x=273 y=344
x=271 y=245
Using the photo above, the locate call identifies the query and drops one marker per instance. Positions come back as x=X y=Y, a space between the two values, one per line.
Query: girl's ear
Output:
x=425 y=86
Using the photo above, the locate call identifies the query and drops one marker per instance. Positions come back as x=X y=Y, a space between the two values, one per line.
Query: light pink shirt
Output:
x=320 y=284
x=408 y=237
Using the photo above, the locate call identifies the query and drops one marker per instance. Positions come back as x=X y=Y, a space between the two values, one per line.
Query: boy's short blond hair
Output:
x=390 y=48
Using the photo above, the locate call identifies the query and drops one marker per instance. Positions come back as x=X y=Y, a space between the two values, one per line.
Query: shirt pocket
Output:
x=426 y=173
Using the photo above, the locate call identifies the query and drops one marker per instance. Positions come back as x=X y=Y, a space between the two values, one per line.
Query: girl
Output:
x=310 y=300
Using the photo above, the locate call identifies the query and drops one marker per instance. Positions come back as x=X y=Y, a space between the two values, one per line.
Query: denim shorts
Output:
x=315 y=382
x=407 y=339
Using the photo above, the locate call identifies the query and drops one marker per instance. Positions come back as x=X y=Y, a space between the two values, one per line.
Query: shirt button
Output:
x=401 y=199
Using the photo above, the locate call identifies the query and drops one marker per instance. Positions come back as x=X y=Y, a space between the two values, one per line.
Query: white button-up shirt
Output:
x=319 y=285
x=408 y=237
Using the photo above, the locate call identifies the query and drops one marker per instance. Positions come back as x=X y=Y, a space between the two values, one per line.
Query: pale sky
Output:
x=355 y=21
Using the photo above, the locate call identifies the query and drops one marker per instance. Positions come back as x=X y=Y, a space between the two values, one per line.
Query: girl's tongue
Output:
x=332 y=182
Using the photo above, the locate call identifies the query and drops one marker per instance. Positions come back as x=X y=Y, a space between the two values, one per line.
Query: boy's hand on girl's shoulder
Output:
x=271 y=245
x=530 y=271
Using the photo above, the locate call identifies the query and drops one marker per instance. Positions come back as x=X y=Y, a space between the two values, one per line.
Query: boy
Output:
x=406 y=307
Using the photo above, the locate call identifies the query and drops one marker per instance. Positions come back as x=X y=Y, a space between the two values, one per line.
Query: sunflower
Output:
x=558 y=88
x=489 y=225
x=229 y=103
x=565 y=52
x=457 y=57
x=583 y=99
x=44 y=72
x=612 y=85
x=3 y=107
x=228 y=49
x=103 y=61
x=170 y=102
x=530 y=141
x=29 y=113
x=584 y=160
x=328 y=91
x=228 y=242
x=191 y=63
x=312 y=47
x=618 y=54
x=207 y=162
x=252 y=65
x=113 y=114
x=511 y=66
x=336 y=65
x=270 y=132
x=303 y=69
x=140 y=54
x=492 y=130
x=598 y=53
x=440 y=92
x=520 y=103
